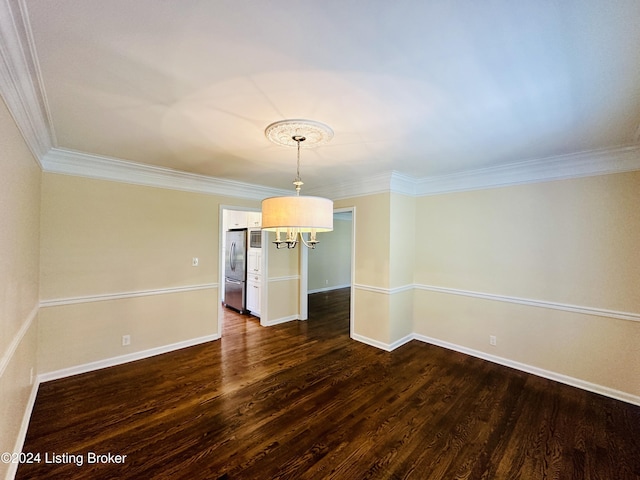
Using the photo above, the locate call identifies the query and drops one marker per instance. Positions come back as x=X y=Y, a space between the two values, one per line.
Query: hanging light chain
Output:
x=298 y=182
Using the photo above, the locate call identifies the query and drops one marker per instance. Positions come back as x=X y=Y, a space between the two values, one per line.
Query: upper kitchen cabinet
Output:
x=242 y=219
x=236 y=219
x=254 y=219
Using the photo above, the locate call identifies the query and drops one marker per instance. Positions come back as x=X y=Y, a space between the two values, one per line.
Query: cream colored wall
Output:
x=19 y=270
x=566 y=241
x=80 y=334
x=572 y=242
x=101 y=237
x=117 y=260
x=282 y=295
x=384 y=265
x=330 y=261
x=283 y=302
x=372 y=238
x=370 y=322
x=402 y=231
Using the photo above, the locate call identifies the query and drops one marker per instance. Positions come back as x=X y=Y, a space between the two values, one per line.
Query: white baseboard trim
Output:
x=558 y=377
x=119 y=360
x=523 y=367
x=24 y=427
x=400 y=342
x=277 y=321
x=328 y=289
x=378 y=344
x=371 y=342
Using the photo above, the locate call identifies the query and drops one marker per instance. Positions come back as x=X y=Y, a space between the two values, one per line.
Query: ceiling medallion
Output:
x=284 y=133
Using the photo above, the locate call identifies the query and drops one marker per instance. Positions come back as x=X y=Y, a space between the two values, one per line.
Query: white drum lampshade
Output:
x=304 y=213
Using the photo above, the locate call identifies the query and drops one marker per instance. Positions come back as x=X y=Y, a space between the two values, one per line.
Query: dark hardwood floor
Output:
x=303 y=401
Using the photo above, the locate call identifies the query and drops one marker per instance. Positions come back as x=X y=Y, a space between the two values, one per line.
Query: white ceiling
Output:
x=420 y=87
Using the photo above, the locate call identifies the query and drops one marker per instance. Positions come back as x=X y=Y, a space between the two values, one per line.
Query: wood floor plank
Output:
x=303 y=401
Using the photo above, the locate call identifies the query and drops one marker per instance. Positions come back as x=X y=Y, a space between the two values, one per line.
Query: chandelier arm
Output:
x=311 y=244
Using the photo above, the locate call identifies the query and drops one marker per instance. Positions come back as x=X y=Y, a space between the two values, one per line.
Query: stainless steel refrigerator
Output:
x=235 y=270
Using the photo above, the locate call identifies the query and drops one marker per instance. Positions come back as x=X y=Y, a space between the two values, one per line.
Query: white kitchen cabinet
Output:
x=253 y=294
x=254 y=262
x=236 y=219
x=254 y=280
x=254 y=219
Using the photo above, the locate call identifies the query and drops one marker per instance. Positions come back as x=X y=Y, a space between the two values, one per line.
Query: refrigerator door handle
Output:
x=232 y=257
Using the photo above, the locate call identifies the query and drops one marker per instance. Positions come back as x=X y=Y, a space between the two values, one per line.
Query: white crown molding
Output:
x=561 y=167
x=575 y=165
x=403 y=184
x=69 y=162
x=22 y=97
x=357 y=187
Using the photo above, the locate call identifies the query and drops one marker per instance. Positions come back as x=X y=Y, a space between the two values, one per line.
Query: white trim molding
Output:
x=584 y=310
x=69 y=162
x=558 y=377
x=599 y=312
x=565 y=307
x=560 y=167
x=287 y=278
x=328 y=289
x=119 y=360
x=388 y=347
x=22 y=96
x=118 y=296
x=277 y=321
x=371 y=342
x=356 y=187
x=17 y=339
x=383 y=290
x=24 y=426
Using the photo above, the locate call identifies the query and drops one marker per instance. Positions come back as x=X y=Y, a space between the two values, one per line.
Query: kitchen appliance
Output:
x=235 y=270
x=255 y=238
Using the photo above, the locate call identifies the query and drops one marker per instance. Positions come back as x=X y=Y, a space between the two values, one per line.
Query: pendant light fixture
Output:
x=296 y=214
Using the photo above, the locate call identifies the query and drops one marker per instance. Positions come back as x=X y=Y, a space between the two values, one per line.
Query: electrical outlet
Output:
x=194 y=261
x=493 y=340
x=126 y=340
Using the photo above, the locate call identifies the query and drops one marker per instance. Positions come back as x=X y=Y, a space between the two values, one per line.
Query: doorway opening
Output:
x=242 y=268
x=329 y=269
